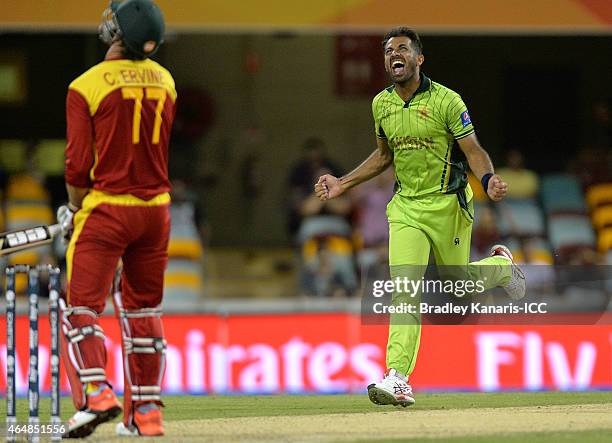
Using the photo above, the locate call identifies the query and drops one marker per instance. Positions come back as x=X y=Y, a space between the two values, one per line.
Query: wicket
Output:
x=33 y=378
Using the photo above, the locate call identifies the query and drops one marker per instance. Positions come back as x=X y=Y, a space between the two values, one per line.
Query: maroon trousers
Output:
x=108 y=229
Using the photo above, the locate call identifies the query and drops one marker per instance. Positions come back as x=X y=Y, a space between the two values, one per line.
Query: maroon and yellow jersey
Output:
x=119 y=117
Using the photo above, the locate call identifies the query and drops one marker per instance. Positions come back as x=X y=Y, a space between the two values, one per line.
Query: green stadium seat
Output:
x=561 y=193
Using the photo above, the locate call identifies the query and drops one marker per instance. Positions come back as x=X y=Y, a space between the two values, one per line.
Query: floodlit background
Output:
x=272 y=93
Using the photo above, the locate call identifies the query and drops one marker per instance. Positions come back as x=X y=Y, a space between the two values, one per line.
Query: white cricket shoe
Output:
x=392 y=390
x=516 y=287
x=125 y=431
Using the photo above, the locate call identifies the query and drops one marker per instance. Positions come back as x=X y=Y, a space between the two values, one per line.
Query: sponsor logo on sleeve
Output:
x=465 y=119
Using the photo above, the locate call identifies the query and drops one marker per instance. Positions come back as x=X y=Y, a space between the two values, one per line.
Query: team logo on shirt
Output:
x=424 y=113
x=465 y=119
x=385 y=114
x=410 y=143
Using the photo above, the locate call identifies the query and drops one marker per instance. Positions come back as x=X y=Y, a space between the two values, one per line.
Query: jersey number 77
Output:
x=149 y=93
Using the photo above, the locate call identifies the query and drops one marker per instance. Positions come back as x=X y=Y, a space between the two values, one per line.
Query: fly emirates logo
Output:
x=527 y=360
x=295 y=366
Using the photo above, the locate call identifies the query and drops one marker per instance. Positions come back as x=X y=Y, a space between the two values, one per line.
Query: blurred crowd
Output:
x=339 y=236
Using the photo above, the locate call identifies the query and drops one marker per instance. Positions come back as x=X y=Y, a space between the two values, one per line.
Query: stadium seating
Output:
x=257 y=273
x=328 y=261
x=521 y=217
x=562 y=193
x=570 y=230
x=599 y=199
x=600 y=194
x=538 y=251
x=602 y=217
x=25 y=188
x=183 y=278
x=604 y=243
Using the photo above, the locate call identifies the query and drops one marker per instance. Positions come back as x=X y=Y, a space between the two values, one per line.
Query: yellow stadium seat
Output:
x=602 y=217
x=37 y=213
x=183 y=279
x=25 y=257
x=542 y=256
x=605 y=240
x=310 y=248
x=30 y=257
x=21 y=284
x=340 y=245
x=518 y=255
x=335 y=244
x=598 y=195
x=25 y=187
x=358 y=241
x=185 y=248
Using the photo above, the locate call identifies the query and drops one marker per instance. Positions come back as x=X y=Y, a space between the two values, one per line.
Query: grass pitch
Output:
x=456 y=418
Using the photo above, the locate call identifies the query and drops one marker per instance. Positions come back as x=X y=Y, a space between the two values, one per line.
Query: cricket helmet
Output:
x=138 y=23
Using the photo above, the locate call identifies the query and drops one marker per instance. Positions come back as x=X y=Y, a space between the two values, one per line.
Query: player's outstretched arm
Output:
x=328 y=186
x=481 y=165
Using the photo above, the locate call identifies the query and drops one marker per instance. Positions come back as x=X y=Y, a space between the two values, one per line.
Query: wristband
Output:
x=485 y=181
x=72 y=207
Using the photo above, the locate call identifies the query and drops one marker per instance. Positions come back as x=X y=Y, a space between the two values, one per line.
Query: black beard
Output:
x=403 y=80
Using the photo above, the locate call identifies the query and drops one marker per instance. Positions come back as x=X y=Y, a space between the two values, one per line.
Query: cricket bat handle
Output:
x=54 y=230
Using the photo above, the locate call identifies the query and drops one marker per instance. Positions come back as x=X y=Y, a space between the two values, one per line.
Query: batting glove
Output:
x=65 y=214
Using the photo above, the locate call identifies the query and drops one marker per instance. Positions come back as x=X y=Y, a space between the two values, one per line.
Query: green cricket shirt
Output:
x=421 y=134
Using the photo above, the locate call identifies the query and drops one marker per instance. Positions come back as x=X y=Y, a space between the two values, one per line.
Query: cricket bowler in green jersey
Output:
x=417 y=123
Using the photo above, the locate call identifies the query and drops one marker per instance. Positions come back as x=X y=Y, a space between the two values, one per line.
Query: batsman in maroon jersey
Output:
x=119 y=118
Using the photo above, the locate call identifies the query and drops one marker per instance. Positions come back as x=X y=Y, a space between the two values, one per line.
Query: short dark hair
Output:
x=404 y=31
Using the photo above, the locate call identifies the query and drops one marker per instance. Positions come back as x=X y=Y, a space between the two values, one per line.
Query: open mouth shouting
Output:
x=398 y=67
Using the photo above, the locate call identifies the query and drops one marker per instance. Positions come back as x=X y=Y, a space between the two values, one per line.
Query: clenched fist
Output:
x=497 y=188
x=328 y=187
